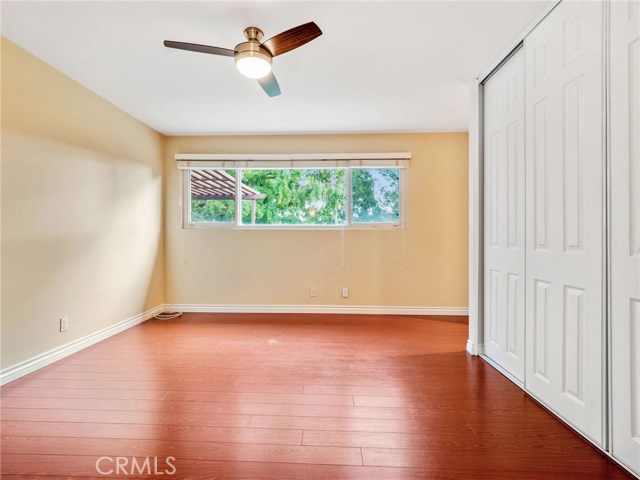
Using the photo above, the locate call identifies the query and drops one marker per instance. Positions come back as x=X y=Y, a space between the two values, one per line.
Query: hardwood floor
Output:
x=286 y=397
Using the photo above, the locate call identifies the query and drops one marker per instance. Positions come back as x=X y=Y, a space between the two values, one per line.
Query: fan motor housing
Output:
x=251 y=49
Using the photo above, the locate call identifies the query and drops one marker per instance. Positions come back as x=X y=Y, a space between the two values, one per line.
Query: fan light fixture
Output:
x=253 y=64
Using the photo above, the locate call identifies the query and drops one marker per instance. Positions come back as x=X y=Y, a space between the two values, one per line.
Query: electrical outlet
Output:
x=64 y=324
x=313 y=292
x=345 y=292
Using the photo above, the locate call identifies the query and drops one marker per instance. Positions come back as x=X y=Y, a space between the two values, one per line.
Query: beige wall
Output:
x=425 y=265
x=81 y=210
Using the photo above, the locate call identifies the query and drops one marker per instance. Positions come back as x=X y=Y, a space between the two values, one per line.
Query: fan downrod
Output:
x=253 y=33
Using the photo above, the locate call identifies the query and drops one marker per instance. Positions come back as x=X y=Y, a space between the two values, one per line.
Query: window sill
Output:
x=231 y=226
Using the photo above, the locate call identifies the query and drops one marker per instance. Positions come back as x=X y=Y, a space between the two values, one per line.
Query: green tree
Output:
x=297 y=196
x=309 y=197
x=375 y=195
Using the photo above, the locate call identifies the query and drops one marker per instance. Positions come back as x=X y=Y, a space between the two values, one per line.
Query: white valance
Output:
x=197 y=161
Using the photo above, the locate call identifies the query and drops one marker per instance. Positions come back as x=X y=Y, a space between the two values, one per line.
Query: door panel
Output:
x=565 y=197
x=504 y=216
x=625 y=230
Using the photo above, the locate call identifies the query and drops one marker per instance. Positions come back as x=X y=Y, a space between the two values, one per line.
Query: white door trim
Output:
x=476 y=231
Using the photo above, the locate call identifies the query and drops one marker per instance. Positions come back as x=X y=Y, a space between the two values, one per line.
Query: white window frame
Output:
x=240 y=162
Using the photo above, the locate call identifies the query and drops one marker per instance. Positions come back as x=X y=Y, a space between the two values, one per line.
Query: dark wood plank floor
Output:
x=287 y=397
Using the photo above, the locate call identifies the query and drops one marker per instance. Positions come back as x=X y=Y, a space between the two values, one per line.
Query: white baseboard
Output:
x=23 y=368
x=475 y=348
x=353 y=309
x=471 y=347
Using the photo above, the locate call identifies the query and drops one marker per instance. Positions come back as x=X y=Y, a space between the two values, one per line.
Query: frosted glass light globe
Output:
x=253 y=67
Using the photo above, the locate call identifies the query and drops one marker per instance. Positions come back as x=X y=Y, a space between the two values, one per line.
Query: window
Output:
x=213 y=194
x=375 y=195
x=294 y=195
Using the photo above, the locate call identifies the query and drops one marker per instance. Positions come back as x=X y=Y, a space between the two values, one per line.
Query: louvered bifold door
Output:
x=565 y=167
x=625 y=230
x=504 y=214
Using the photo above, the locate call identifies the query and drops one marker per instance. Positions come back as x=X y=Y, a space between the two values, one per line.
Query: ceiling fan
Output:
x=253 y=58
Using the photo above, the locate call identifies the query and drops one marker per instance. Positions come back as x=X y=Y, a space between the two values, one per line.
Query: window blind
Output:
x=198 y=161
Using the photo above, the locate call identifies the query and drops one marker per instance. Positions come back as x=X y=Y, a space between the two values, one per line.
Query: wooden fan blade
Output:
x=270 y=85
x=293 y=38
x=194 y=47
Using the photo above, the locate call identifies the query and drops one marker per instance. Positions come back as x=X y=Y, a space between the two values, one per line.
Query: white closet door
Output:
x=564 y=234
x=504 y=216
x=625 y=230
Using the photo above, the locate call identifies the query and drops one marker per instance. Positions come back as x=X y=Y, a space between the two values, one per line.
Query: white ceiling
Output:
x=379 y=67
